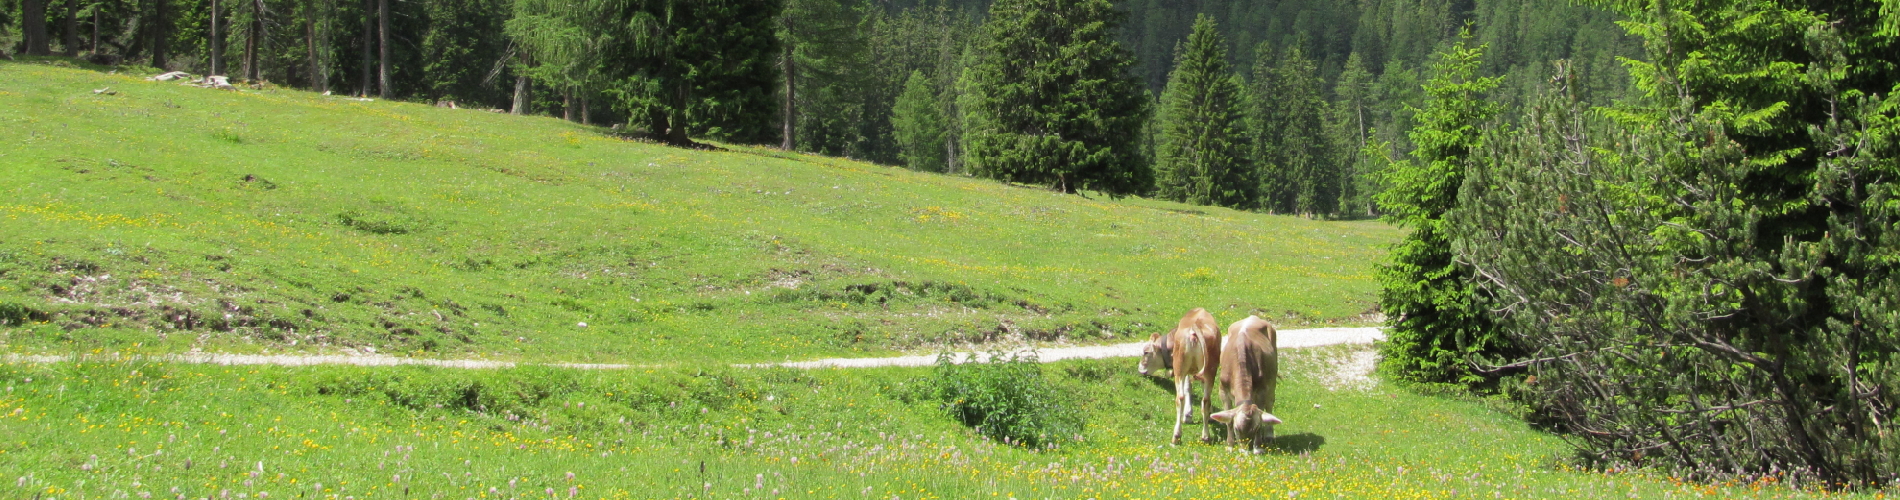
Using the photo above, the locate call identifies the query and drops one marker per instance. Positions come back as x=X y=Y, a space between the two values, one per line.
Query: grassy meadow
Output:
x=129 y=429
x=162 y=217
x=154 y=218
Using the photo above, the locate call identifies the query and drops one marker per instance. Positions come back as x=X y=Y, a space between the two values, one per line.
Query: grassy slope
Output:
x=127 y=219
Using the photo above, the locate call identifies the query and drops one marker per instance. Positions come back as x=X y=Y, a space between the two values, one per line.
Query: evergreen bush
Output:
x=1706 y=279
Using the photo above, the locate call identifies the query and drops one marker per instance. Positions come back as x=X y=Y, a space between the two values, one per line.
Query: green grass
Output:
x=101 y=430
x=167 y=218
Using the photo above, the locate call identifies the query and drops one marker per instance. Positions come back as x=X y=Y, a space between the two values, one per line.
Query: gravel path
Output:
x=1289 y=339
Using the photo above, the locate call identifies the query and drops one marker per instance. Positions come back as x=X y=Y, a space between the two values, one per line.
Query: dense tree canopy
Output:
x=1051 y=101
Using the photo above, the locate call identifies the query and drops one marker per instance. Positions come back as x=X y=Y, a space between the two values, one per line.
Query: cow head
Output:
x=1249 y=422
x=1154 y=355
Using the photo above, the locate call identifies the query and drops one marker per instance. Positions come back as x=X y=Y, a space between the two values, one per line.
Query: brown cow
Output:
x=1190 y=351
x=1249 y=373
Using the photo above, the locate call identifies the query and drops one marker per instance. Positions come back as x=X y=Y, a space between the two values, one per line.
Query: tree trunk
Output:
x=33 y=28
x=95 y=31
x=949 y=153
x=567 y=105
x=216 y=42
x=251 y=70
x=791 y=111
x=161 y=33
x=656 y=124
x=521 y=95
x=369 y=37
x=382 y=33
x=584 y=119
x=676 y=124
x=72 y=28
x=318 y=81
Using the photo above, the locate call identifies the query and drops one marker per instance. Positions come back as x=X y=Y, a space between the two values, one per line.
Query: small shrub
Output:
x=227 y=135
x=12 y=314
x=1004 y=398
x=380 y=223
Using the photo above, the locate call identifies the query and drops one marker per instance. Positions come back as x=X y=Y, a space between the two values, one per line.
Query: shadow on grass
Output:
x=1164 y=383
x=1294 y=444
x=81 y=63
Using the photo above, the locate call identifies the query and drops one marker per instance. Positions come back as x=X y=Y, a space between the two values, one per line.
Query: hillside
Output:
x=156 y=216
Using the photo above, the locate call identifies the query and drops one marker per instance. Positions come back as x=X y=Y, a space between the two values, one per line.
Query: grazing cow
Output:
x=1249 y=373
x=1190 y=351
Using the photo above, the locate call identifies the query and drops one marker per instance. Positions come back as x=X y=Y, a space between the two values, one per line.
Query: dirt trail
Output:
x=1289 y=339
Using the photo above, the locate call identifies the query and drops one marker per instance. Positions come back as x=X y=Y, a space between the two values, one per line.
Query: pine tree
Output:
x=1348 y=128
x=1268 y=117
x=1305 y=154
x=1050 y=99
x=1434 y=320
x=1202 y=155
x=1297 y=171
x=461 y=48
x=683 y=68
x=822 y=63
x=917 y=122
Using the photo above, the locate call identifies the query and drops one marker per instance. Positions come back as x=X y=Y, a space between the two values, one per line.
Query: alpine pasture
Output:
x=146 y=218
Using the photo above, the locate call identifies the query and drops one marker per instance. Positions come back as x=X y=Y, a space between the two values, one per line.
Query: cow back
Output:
x=1196 y=345
x=1250 y=362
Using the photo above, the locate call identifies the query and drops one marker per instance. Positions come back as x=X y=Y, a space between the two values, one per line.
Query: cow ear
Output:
x=1268 y=418
x=1223 y=417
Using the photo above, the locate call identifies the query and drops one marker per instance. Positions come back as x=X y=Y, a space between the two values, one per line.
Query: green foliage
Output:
x=1050 y=100
x=1204 y=146
x=918 y=124
x=1435 y=321
x=1703 y=279
x=463 y=43
x=1006 y=398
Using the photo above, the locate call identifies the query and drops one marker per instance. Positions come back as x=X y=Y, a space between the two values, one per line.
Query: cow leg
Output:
x=1207 y=391
x=1182 y=388
x=1267 y=433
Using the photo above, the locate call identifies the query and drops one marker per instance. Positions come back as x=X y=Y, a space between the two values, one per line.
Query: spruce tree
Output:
x=460 y=49
x=1297 y=171
x=1434 y=321
x=1304 y=151
x=917 y=123
x=1268 y=117
x=823 y=74
x=1050 y=99
x=1348 y=128
x=1202 y=155
x=682 y=68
